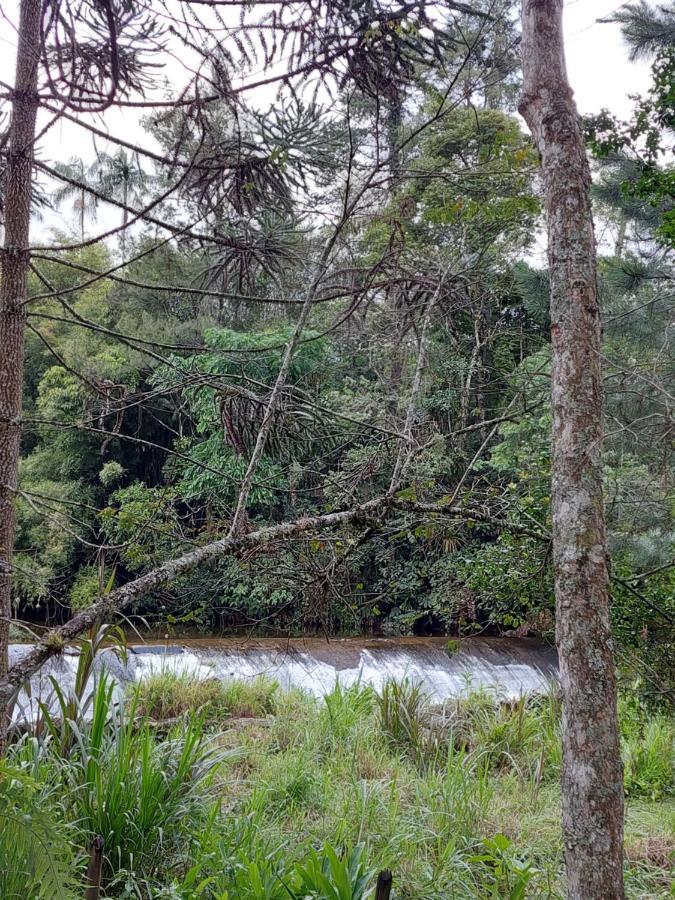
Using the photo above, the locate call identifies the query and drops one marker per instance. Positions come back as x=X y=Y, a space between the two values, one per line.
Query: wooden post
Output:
x=383 y=889
x=93 y=879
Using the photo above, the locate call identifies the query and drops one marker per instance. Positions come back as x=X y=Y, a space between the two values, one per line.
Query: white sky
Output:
x=597 y=60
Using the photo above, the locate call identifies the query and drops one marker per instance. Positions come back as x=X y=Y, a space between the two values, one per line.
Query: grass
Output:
x=167 y=695
x=142 y=795
x=35 y=854
x=426 y=791
x=460 y=802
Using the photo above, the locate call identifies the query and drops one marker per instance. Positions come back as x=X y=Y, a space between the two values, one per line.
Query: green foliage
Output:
x=325 y=795
x=141 y=795
x=165 y=695
x=401 y=707
x=47 y=540
x=648 y=750
x=36 y=851
x=111 y=473
x=144 y=521
x=478 y=171
x=85 y=588
x=332 y=877
x=509 y=875
x=646 y=136
x=649 y=760
x=145 y=390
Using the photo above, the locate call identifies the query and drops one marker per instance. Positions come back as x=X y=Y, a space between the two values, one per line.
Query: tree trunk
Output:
x=13 y=274
x=125 y=219
x=83 y=201
x=592 y=783
x=621 y=236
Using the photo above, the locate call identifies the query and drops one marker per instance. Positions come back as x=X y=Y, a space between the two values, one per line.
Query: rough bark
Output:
x=592 y=784
x=14 y=263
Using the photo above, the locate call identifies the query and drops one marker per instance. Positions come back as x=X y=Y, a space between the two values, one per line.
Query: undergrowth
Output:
x=166 y=695
x=459 y=801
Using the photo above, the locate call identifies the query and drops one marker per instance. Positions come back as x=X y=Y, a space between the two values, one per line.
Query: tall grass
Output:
x=144 y=796
x=401 y=706
x=460 y=802
x=36 y=856
x=649 y=759
x=167 y=695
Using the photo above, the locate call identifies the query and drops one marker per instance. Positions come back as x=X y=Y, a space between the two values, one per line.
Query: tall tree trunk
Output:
x=125 y=219
x=397 y=300
x=621 y=236
x=592 y=783
x=14 y=262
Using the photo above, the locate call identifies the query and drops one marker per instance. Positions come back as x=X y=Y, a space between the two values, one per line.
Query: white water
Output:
x=505 y=666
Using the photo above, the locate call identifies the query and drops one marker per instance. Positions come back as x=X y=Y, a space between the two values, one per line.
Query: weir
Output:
x=444 y=668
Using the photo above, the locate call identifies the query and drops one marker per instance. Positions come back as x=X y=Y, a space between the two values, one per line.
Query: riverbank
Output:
x=208 y=789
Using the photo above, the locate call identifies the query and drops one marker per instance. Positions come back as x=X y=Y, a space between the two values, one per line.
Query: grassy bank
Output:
x=251 y=793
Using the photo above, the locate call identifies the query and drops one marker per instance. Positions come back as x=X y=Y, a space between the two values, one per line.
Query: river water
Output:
x=509 y=667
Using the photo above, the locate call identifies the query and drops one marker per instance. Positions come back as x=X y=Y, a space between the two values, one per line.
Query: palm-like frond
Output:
x=647 y=29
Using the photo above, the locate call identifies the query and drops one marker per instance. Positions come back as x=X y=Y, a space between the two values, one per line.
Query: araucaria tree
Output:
x=296 y=373
x=17 y=194
x=592 y=771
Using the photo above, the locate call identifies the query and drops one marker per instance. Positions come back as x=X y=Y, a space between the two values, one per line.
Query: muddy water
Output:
x=508 y=666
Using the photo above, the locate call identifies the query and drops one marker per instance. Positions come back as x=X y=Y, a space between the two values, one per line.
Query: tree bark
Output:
x=125 y=218
x=592 y=782
x=14 y=263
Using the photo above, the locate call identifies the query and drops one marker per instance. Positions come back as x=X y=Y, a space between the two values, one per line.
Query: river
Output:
x=443 y=667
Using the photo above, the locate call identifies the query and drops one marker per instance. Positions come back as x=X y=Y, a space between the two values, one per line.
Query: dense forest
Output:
x=300 y=305
x=149 y=362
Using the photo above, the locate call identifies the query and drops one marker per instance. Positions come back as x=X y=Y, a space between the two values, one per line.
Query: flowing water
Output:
x=508 y=666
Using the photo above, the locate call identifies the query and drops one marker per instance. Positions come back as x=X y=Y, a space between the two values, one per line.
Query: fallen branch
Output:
x=108 y=605
x=116 y=601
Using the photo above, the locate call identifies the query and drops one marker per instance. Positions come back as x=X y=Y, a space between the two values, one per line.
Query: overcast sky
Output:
x=598 y=65
x=597 y=60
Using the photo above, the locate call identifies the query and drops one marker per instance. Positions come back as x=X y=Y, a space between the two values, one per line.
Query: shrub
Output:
x=506 y=873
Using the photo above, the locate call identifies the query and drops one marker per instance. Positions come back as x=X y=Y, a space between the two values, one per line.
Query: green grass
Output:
x=36 y=856
x=461 y=802
x=166 y=695
x=429 y=800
